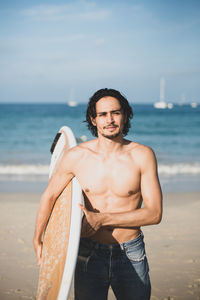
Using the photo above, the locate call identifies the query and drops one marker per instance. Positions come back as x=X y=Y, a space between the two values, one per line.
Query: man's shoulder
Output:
x=141 y=152
x=81 y=149
x=140 y=149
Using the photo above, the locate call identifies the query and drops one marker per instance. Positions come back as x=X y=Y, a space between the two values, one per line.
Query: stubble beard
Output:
x=112 y=136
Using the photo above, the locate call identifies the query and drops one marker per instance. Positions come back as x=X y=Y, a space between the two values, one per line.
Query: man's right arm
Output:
x=59 y=180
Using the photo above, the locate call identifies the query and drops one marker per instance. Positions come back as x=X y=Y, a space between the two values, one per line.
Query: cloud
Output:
x=77 y=10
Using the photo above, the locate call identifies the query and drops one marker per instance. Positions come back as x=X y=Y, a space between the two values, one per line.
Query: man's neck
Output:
x=108 y=145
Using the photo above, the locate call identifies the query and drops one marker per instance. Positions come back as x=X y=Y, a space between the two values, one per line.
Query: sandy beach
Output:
x=173 y=248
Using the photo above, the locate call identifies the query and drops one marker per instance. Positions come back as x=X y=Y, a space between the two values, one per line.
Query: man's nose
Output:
x=110 y=118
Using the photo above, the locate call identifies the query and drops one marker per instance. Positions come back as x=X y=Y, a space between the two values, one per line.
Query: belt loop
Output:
x=122 y=246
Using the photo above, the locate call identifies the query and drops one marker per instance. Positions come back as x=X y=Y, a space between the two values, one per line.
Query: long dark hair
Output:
x=91 y=109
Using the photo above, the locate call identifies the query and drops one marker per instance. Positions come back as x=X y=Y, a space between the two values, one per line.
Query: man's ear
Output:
x=93 y=120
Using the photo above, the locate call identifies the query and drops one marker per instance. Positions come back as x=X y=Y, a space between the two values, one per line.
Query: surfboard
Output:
x=62 y=234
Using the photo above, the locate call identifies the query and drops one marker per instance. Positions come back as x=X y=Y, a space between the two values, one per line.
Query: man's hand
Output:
x=38 y=251
x=91 y=222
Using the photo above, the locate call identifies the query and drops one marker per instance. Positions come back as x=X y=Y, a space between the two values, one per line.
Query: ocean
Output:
x=28 y=130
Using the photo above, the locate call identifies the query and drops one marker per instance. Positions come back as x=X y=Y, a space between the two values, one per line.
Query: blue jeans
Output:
x=124 y=267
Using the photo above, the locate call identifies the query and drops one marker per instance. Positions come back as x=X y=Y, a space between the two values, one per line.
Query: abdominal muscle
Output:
x=109 y=234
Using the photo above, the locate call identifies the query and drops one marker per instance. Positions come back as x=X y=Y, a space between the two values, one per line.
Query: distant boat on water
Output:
x=194 y=104
x=170 y=105
x=162 y=104
x=72 y=103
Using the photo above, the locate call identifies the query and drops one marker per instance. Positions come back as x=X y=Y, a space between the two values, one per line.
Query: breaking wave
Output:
x=179 y=168
x=40 y=172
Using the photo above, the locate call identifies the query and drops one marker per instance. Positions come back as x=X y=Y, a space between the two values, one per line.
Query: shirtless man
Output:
x=116 y=176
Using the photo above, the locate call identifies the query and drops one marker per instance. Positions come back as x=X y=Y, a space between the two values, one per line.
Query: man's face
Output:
x=109 y=117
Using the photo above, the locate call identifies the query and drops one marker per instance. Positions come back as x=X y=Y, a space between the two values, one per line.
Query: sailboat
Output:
x=162 y=104
x=194 y=104
x=72 y=102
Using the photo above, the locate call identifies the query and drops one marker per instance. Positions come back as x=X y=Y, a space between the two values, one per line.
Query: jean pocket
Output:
x=137 y=258
x=136 y=253
x=84 y=256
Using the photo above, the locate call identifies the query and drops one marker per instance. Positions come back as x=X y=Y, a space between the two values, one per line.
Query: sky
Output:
x=58 y=51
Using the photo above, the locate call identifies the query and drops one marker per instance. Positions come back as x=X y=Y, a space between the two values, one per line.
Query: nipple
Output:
x=131 y=193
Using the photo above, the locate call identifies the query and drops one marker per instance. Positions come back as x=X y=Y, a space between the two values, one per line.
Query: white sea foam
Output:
x=179 y=168
x=24 y=169
x=39 y=171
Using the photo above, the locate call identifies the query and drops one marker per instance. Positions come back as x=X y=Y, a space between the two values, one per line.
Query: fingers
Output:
x=83 y=208
x=89 y=223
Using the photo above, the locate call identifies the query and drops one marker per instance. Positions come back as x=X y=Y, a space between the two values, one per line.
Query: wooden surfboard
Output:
x=62 y=234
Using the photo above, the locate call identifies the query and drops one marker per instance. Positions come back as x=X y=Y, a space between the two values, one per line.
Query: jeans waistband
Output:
x=101 y=246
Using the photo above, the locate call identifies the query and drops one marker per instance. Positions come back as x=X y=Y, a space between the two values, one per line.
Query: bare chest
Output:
x=112 y=177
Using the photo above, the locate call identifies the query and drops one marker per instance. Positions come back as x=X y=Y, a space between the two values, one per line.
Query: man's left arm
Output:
x=149 y=214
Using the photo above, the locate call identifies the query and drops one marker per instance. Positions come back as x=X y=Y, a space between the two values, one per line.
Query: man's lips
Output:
x=111 y=127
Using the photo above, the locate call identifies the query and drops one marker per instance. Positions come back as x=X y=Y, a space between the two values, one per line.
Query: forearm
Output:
x=43 y=214
x=136 y=218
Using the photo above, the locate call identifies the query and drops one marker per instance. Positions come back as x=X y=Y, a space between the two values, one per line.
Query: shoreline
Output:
x=172 y=247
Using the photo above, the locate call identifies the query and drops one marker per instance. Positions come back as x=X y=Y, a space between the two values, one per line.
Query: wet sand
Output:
x=173 y=248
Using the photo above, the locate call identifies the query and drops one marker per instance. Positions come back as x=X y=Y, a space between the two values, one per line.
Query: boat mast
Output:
x=162 y=89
